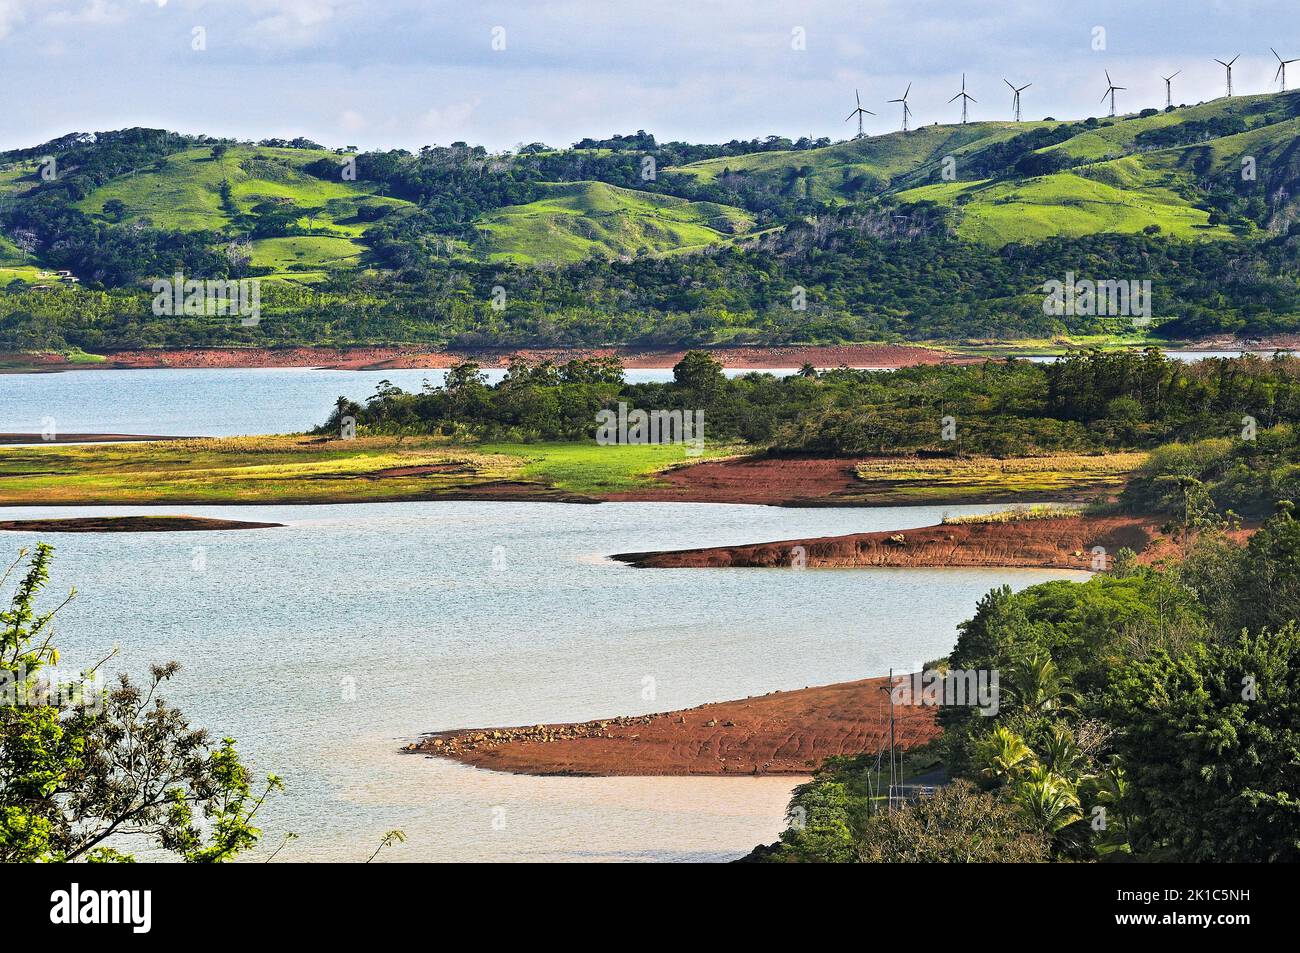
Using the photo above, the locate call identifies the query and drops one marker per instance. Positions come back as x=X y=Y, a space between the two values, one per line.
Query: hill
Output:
x=946 y=232
x=580 y=219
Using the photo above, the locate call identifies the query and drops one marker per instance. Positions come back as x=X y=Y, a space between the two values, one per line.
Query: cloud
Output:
x=11 y=13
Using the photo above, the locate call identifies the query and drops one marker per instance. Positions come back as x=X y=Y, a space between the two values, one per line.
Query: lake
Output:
x=325 y=645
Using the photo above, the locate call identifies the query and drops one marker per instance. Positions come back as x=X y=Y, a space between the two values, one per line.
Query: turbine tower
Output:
x=1111 y=90
x=964 y=98
x=1169 y=88
x=858 y=112
x=1015 y=96
x=1281 y=67
x=907 y=111
x=1228 y=67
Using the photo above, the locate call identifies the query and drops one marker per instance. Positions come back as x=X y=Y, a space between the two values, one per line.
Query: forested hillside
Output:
x=941 y=233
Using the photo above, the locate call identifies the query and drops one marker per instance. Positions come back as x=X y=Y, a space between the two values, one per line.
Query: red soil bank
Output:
x=782 y=482
x=1064 y=543
x=779 y=733
x=392 y=357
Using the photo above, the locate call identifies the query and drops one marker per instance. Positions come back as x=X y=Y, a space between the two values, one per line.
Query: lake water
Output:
x=325 y=645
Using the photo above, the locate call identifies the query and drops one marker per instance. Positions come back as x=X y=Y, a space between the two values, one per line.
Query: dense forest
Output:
x=1150 y=713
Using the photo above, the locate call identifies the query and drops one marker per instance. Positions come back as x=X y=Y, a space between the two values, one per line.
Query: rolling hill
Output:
x=577 y=220
x=943 y=232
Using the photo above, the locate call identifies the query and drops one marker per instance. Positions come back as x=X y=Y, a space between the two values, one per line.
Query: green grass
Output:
x=1066 y=204
x=186 y=192
x=1058 y=478
x=305 y=253
x=310 y=470
x=590 y=468
x=888 y=159
x=580 y=219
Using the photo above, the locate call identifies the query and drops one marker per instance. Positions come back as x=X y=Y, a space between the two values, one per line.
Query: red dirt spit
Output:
x=779 y=733
x=1058 y=543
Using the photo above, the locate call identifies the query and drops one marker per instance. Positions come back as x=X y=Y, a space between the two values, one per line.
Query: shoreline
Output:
x=1052 y=543
x=780 y=733
x=401 y=357
x=754 y=357
x=129 y=524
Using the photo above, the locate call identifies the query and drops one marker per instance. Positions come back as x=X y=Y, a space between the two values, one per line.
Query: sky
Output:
x=408 y=73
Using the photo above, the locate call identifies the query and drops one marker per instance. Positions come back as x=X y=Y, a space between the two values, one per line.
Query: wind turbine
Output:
x=1281 y=67
x=858 y=112
x=1111 y=90
x=1228 y=66
x=1169 y=88
x=1015 y=96
x=964 y=98
x=907 y=111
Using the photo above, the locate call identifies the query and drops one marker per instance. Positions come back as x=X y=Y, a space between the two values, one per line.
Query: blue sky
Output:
x=402 y=73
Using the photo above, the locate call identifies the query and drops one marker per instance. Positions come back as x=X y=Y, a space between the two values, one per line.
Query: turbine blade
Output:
x=1274 y=52
x=1008 y=82
x=958 y=96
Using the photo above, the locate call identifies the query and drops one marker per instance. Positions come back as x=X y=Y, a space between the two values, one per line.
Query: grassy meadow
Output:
x=1061 y=477
x=300 y=469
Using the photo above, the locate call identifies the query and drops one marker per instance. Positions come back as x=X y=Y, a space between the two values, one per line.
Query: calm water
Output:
x=218 y=402
x=324 y=645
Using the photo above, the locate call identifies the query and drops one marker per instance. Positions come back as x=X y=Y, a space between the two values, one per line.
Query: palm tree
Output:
x=1061 y=753
x=1049 y=799
x=1038 y=686
x=1003 y=754
x=1114 y=793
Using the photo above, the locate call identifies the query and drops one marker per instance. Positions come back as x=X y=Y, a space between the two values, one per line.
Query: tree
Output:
x=700 y=375
x=1209 y=743
x=958 y=824
x=115 y=209
x=84 y=771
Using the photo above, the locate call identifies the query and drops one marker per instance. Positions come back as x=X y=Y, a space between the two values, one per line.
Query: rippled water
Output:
x=324 y=645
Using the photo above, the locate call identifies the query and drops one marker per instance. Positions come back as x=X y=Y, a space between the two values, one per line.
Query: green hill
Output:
x=1119 y=175
x=577 y=220
x=841 y=171
x=184 y=191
